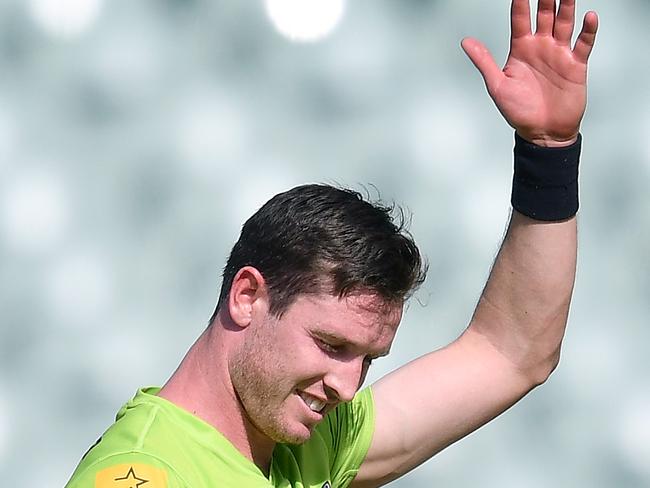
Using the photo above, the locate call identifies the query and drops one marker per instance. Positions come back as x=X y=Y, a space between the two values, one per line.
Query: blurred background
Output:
x=136 y=137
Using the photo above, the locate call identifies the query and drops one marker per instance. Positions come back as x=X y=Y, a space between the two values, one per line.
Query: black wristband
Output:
x=545 y=181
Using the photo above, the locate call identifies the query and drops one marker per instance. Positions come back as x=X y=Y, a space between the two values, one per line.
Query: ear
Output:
x=247 y=293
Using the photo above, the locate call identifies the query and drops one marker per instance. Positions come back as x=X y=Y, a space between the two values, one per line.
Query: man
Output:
x=314 y=290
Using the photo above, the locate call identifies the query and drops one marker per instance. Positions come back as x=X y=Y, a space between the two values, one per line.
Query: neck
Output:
x=201 y=385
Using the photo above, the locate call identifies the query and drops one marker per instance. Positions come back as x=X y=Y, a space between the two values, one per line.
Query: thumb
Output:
x=484 y=62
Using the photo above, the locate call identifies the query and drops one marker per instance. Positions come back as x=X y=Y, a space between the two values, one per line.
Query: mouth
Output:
x=314 y=404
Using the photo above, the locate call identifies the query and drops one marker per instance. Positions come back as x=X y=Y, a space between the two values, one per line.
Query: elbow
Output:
x=542 y=355
x=544 y=369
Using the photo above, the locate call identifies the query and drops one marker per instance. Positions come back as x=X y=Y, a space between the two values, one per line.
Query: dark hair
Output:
x=316 y=238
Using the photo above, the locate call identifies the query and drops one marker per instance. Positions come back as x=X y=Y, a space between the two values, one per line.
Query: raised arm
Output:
x=512 y=343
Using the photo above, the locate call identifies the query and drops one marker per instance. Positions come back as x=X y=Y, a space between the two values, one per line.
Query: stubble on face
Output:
x=264 y=387
x=277 y=359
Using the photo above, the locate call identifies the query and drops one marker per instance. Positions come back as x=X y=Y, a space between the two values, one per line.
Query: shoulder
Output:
x=126 y=469
x=133 y=449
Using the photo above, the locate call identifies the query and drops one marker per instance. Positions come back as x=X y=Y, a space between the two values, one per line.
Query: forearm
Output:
x=523 y=309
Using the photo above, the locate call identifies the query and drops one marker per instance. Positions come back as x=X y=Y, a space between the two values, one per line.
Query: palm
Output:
x=541 y=90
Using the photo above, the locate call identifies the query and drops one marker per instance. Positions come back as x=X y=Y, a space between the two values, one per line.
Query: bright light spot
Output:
x=634 y=433
x=34 y=211
x=79 y=289
x=305 y=20
x=65 y=18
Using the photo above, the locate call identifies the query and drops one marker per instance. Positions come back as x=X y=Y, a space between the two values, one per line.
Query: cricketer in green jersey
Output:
x=156 y=442
x=314 y=290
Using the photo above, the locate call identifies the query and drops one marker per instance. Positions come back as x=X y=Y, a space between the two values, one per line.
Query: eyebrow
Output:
x=340 y=340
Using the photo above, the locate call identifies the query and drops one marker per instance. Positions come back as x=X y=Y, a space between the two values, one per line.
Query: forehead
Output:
x=363 y=319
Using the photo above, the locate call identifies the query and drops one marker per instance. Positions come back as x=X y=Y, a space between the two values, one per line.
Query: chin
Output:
x=294 y=434
x=294 y=437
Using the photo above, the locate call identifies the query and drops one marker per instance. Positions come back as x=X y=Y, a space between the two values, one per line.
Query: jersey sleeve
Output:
x=127 y=470
x=348 y=432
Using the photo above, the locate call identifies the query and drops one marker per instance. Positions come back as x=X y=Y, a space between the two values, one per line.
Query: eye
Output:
x=328 y=347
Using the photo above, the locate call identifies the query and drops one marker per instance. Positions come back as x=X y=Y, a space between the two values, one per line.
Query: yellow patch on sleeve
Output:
x=131 y=476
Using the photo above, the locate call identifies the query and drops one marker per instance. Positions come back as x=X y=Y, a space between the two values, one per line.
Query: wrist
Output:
x=549 y=141
x=545 y=181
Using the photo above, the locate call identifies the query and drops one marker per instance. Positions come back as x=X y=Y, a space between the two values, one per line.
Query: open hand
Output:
x=542 y=89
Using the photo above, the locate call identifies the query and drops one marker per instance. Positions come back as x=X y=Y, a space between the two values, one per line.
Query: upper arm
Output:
x=428 y=404
x=125 y=469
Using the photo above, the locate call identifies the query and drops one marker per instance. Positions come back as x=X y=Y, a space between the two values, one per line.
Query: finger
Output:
x=564 y=21
x=545 y=17
x=586 y=38
x=484 y=62
x=520 y=18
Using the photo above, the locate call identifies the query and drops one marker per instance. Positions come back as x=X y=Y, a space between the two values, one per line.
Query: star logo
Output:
x=131 y=480
x=131 y=475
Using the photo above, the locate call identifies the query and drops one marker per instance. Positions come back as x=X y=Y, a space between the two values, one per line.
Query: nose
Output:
x=344 y=379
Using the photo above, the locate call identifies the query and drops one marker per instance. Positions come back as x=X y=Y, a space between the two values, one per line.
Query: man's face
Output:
x=289 y=372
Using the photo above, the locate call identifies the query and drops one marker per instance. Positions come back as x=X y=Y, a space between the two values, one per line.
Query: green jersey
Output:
x=155 y=444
